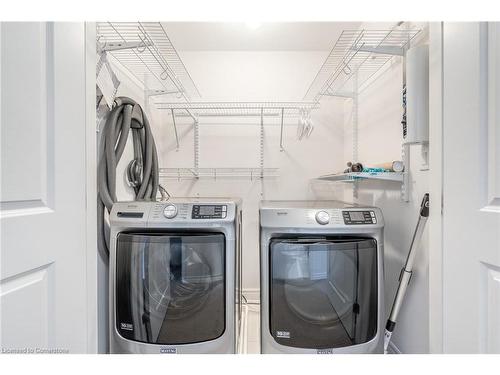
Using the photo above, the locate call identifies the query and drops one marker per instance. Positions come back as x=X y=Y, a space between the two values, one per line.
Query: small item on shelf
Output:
x=353 y=167
x=391 y=166
x=375 y=170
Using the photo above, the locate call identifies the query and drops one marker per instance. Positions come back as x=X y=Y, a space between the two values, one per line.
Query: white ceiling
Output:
x=220 y=36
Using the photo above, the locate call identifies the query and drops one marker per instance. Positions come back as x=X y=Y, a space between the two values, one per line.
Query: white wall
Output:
x=253 y=76
x=379 y=140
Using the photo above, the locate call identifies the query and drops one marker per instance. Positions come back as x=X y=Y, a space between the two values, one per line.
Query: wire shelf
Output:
x=236 y=109
x=357 y=51
x=357 y=176
x=145 y=49
x=218 y=173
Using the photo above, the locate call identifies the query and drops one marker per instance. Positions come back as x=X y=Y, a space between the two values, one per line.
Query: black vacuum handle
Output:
x=424 y=207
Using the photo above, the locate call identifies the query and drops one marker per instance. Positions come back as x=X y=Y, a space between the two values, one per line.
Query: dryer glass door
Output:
x=323 y=292
x=170 y=287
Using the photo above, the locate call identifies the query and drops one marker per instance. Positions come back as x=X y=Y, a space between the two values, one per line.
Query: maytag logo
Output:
x=283 y=334
x=281 y=213
x=325 y=351
x=127 y=326
x=168 y=350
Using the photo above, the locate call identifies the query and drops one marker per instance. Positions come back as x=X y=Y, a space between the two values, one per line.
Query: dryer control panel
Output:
x=321 y=215
x=209 y=211
x=359 y=217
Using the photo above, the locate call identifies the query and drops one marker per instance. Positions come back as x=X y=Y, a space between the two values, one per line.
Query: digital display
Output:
x=356 y=216
x=359 y=217
x=207 y=210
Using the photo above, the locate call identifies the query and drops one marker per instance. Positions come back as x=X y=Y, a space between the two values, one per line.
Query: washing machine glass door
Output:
x=323 y=292
x=170 y=287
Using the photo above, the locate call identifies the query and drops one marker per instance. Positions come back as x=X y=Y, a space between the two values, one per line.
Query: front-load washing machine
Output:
x=322 y=282
x=175 y=276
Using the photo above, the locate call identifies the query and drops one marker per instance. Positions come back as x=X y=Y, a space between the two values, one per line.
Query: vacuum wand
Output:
x=406 y=272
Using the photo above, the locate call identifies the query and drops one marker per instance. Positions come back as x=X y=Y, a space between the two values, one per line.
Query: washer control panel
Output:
x=322 y=217
x=206 y=211
x=359 y=217
x=170 y=211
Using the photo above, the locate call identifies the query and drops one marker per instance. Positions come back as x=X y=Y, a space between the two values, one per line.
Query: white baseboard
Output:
x=252 y=295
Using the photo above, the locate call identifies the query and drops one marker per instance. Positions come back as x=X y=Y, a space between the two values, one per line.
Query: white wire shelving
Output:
x=145 y=49
x=360 y=52
x=355 y=177
x=237 y=109
x=276 y=110
x=218 y=173
x=359 y=176
x=357 y=56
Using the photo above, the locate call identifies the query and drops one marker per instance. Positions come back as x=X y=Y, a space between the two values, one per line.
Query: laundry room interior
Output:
x=251 y=72
x=261 y=187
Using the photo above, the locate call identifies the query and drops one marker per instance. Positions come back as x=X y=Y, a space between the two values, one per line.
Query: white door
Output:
x=471 y=188
x=45 y=295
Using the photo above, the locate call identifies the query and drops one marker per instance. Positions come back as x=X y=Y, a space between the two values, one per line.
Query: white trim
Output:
x=243 y=339
x=24 y=208
x=91 y=186
x=435 y=224
x=492 y=114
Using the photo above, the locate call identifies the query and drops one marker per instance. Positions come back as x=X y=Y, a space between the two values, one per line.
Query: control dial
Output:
x=170 y=211
x=322 y=217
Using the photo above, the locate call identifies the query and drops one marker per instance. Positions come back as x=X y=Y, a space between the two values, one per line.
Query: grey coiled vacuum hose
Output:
x=142 y=171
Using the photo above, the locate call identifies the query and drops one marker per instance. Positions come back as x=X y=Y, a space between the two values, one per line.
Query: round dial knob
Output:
x=170 y=211
x=322 y=217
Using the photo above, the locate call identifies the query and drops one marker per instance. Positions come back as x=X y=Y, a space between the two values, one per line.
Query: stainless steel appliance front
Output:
x=175 y=276
x=321 y=278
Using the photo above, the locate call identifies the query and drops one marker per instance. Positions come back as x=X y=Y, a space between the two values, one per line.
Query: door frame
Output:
x=437 y=151
x=436 y=169
x=91 y=187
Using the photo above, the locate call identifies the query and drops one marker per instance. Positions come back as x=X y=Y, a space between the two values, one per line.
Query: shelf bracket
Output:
x=175 y=130
x=355 y=126
x=261 y=144
x=339 y=94
x=281 y=130
x=150 y=93
x=195 y=118
x=188 y=111
x=196 y=148
x=261 y=149
x=382 y=50
x=118 y=46
x=405 y=186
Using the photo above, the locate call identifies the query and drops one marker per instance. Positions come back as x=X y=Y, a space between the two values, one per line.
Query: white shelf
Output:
x=237 y=109
x=360 y=52
x=359 y=176
x=355 y=177
x=145 y=49
x=218 y=173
